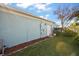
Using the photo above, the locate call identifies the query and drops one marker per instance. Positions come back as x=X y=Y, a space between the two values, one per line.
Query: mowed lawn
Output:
x=53 y=46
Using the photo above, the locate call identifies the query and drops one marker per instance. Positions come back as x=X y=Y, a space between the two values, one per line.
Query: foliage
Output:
x=65 y=15
x=74 y=13
x=69 y=33
x=76 y=40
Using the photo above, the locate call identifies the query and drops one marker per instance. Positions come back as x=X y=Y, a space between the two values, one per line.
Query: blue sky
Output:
x=44 y=10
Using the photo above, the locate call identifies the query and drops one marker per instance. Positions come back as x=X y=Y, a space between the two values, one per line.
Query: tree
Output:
x=75 y=13
x=62 y=13
x=66 y=14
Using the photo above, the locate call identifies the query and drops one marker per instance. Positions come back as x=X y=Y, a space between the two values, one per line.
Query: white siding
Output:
x=16 y=30
x=49 y=30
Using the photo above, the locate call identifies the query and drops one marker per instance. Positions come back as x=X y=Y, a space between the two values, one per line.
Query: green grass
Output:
x=54 y=46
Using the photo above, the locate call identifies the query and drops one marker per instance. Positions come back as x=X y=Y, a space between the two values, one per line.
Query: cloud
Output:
x=26 y=3
x=23 y=5
x=41 y=16
x=41 y=6
x=45 y=17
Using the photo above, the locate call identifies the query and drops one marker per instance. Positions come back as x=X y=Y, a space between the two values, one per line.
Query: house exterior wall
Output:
x=43 y=29
x=16 y=29
x=49 y=30
x=33 y=29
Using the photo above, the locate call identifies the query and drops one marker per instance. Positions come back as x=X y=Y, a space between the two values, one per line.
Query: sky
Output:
x=43 y=10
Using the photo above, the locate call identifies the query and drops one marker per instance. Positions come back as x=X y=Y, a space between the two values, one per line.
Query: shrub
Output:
x=76 y=40
x=69 y=33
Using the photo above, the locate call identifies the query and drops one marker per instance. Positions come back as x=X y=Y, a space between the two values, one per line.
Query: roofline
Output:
x=14 y=10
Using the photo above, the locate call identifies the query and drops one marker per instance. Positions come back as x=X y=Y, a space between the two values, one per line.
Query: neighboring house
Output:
x=17 y=28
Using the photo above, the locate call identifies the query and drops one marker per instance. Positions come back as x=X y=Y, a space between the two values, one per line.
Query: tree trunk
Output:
x=62 y=26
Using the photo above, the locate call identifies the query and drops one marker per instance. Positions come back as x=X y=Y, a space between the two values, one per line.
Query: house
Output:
x=18 y=29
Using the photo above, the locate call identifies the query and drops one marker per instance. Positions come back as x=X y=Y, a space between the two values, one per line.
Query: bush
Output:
x=76 y=40
x=66 y=32
x=69 y=33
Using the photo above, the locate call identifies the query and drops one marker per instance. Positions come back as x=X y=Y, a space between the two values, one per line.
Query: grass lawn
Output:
x=54 y=46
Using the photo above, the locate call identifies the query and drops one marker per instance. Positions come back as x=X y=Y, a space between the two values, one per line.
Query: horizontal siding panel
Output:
x=13 y=29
